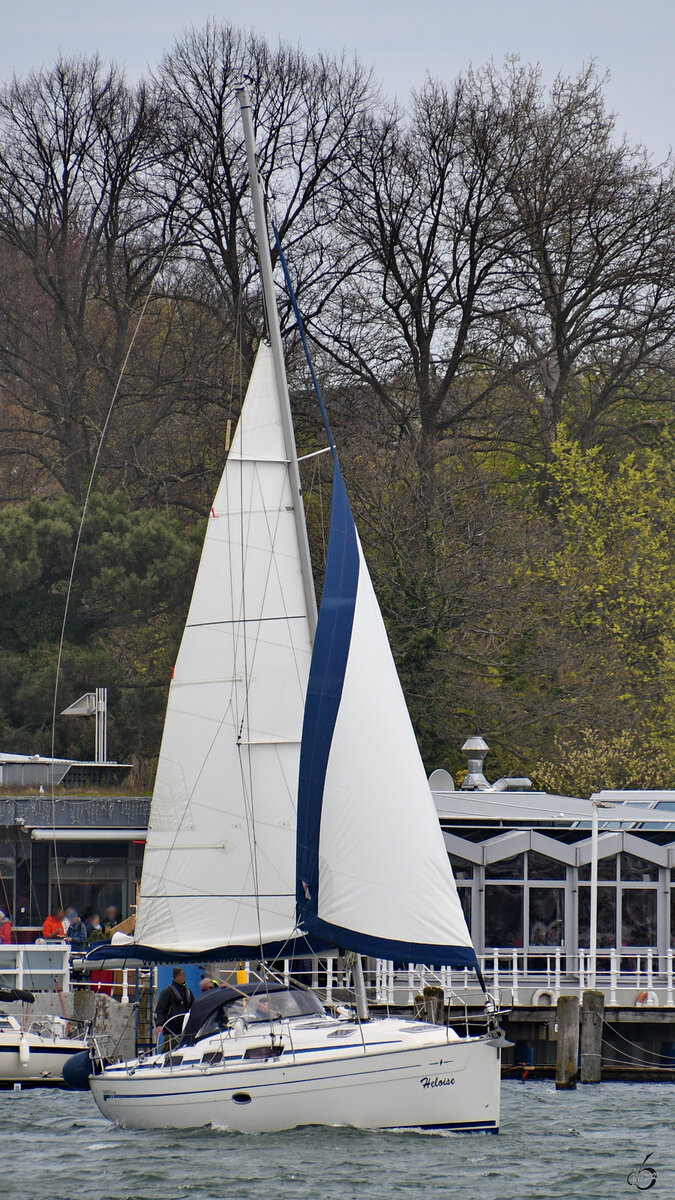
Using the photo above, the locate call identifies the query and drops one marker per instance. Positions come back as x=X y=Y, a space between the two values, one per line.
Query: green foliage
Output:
x=594 y=761
x=129 y=596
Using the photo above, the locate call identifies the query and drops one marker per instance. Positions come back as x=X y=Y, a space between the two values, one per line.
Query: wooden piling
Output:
x=567 y=1054
x=434 y=1005
x=592 y=1016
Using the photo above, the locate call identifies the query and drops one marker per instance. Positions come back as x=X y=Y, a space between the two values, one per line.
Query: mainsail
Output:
x=219 y=866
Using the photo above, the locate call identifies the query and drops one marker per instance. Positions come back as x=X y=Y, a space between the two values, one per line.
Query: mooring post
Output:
x=567 y=1055
x=434 y=1003
x=592 y=1015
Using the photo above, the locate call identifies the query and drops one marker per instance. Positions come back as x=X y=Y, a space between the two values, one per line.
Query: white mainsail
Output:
x=219 y=867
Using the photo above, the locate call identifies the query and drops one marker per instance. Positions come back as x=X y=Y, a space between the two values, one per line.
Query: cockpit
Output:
x=219 y=1008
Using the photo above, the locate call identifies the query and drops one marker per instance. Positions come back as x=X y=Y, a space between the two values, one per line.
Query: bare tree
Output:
x=423 y=203
x=592 y=240
x=83 y=233
x=305 y=113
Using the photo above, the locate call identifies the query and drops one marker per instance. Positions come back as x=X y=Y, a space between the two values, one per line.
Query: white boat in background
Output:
x=291 y=811
x=36 y=1051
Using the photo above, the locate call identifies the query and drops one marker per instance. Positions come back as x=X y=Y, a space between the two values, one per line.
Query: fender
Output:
x=536 y=996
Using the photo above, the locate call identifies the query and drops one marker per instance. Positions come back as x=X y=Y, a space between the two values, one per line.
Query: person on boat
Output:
x=5 y=929
x=52 y=926
x=173 y=1003
x=207 y=983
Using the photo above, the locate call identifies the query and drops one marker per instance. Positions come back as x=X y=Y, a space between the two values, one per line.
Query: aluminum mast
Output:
x=274 y=333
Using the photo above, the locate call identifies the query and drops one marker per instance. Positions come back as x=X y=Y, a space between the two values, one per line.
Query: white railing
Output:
x=628 y=976
x=35 y=968
x=519 y=977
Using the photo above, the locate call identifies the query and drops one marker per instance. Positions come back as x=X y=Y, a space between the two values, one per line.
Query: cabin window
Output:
x=263 y=1052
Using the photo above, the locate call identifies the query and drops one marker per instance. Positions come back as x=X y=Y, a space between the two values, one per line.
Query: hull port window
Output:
x=212 y=1056
x=264 y=1052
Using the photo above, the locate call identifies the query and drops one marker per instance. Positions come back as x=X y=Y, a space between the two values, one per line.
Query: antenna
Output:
x=93 y=704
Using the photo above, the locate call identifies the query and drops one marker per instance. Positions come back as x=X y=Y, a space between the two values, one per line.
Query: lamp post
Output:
x=593 y=938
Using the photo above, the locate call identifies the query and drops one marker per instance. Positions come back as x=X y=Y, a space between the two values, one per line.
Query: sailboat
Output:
x=291 y=812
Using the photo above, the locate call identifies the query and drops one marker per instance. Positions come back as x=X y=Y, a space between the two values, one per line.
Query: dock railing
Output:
x=520 y=978
x=629 y=977
x=35 y=968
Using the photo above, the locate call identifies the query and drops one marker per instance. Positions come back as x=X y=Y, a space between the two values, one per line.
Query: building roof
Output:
x=624 y=809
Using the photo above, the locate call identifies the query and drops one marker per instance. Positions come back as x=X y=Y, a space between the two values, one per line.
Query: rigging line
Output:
x=78 y=539
x=303 y=339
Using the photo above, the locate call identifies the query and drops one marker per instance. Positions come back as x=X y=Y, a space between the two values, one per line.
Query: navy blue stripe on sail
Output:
x=390 y=948
x=324 y=691
x=291 y=948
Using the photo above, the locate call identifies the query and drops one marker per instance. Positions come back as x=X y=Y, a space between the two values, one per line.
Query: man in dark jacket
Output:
x=173 y=1003
x=76 y=933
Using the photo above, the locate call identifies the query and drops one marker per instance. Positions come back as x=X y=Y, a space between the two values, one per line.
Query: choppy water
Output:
x=56 y=1145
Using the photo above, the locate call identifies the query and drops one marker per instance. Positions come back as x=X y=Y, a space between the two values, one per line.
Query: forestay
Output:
x=219 y=866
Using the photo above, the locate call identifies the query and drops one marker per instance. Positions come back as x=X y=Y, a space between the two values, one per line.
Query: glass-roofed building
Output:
x=522 y=862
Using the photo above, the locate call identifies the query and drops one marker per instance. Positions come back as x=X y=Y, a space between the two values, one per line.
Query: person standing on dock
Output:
x=5 y=929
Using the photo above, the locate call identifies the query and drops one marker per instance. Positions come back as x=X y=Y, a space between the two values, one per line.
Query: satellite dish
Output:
x=441 y=781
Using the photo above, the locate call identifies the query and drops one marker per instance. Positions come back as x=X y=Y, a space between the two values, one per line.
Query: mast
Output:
x=274 y=333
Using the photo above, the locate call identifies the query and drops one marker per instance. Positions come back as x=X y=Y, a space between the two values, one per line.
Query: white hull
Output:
x=41 y=1060
x=408 y=1076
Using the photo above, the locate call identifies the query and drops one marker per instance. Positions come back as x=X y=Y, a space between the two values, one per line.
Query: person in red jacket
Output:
x=52 y=926
x=5 y=929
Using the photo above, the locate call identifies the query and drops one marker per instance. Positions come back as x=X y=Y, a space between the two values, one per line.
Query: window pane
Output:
x=464 y=894
x=547 y=916
x=638 y=869
x=506 y=868
x=461 y=869
x=540 y=866
x=606 y=916
x=503 y=915
x=638 y=917
x=606 y=868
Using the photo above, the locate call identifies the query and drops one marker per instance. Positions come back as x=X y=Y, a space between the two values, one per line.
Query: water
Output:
x=571 y=1145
